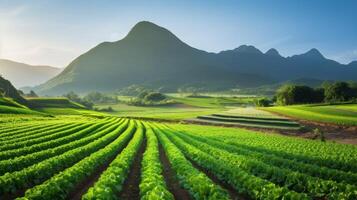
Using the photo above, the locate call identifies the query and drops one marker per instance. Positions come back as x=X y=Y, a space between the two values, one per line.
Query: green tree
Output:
x=32 y=94
x=338 y=92
x=154 y=96
x=262 y=102
x=297 y=94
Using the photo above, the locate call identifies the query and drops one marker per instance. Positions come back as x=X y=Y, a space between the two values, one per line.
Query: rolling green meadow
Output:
x=344 y=114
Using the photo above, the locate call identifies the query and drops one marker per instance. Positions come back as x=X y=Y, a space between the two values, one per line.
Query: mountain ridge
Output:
x=22 y=74
x=150 y=54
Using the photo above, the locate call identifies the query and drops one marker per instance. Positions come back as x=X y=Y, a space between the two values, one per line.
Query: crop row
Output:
x=152 y=185
x=346 y=161
x=299 y=182
x=190 y=178
x=44 y=136
x=266 y=157
x=34 y=174
x=21 y=162
x=60 y=185
x=335 y=156
x=74 y=133
x=111 y=180
x=46 y=130
x=26 y=131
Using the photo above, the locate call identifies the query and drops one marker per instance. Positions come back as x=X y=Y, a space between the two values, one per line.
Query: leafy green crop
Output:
x=111 y=181
x=196 y=182
x=152 y=185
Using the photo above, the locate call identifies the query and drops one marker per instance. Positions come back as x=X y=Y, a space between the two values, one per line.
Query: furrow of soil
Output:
x=131 y=190
x=83 y=186
x=172 y=183
x=231 y=191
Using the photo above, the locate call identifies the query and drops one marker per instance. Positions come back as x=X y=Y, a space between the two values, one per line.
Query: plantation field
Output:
x=170 y=112
x=213 y=101
x=106 y=157
x=184 y=108
x=53 y=103
x=247 y=117
x=343 y=114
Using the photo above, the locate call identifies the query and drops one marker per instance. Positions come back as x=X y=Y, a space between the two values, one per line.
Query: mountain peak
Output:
x=146 y=24
x=313 y=53
x=273 y=52
x=146 y=29
x=247 y=49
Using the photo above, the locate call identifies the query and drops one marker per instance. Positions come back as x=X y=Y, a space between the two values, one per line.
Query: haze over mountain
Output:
x=152 y=55
x=22 y=75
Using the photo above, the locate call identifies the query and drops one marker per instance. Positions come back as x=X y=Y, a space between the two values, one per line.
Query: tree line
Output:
x=328 y=92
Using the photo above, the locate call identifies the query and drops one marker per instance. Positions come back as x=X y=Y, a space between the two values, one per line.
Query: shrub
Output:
x=97 y=97
x=338 y=92
x=75 y=97
x=154 y=96
x=262 y=102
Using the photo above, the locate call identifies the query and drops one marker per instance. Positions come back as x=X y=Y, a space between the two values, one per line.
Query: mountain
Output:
x=8 y=90
x=353 y=64
x=273 y=52
x=21 y=74
x=152 y=55
x=149 y=55
x=247 y=49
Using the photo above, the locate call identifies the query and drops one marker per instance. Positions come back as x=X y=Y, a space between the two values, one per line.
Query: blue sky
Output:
x=56 y=32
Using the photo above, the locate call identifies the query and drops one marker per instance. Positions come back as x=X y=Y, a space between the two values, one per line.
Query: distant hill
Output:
x=22 y=75
x=10 y=91
x=152 y=55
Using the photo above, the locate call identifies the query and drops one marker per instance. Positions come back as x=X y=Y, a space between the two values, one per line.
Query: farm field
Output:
x=106 y=157
x=184 y=108
x=170 y=112
x=247 y=117
x=342 y=114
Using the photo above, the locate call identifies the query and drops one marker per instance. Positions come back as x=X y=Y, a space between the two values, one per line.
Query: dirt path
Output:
x=131 y=190
x=172 y=183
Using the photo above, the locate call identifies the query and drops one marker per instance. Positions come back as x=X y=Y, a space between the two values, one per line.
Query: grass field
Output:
x=9 y=106
x=343 y=114
x=186 y=107
x=53 y=103
x=248 y=117
x=87 y=157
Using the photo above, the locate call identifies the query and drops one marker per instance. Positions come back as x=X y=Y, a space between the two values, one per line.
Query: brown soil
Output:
x=172 y=183
x=18 y=193
x=131 y=190
x=332 y=132
x=83 y=186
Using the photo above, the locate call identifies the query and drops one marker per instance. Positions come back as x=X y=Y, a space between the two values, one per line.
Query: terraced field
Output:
x=117 y=158
x=342 y=114
x=248 y=117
